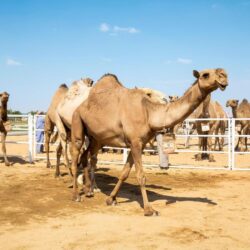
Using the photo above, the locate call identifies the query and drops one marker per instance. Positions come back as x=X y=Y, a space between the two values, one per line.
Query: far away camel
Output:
x=241 y=111
x=116 y=116
x=50 y=121
x=4 y=97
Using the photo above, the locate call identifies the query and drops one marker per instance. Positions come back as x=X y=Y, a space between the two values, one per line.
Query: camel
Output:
x=241 y=111
x=116 y=116
x=4 y=98
x=76 y=94
x=50 y=122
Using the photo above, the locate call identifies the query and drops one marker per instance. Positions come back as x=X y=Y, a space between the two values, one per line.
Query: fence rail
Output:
x=28 y=127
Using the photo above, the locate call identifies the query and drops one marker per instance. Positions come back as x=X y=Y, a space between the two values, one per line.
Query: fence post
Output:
x=125 y=155
x=233 y=143
x=229 y=143
x=30 y=137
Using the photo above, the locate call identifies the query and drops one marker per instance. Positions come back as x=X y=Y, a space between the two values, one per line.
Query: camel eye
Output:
x=205 y=75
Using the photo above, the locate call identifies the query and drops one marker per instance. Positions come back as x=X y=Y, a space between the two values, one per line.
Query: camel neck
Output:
x=168 y=115
x=234 y=111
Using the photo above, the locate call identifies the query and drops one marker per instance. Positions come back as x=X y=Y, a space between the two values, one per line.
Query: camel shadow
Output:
x=15 y=160
x=132 y=192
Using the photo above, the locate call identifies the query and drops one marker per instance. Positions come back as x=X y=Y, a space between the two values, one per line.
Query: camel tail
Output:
x=54 y=137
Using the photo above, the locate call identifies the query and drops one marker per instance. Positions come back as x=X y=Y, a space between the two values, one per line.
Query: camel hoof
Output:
x=97 y=190
x=58 y=176
x=151 y=212
x=111 y=201
x=198 y=157
x=211 y=159
x=7 y=164
x=76 y=198
x=89 y=194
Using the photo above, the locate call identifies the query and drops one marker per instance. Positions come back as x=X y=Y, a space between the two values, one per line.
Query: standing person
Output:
x=39 y=132
x=163 y=155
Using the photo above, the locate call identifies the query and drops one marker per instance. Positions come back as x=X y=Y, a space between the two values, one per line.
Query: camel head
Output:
x=211 y=79
x=154 y=95
x=232 y=103
x=4 y=97
x=88 y=81
x=173 y=98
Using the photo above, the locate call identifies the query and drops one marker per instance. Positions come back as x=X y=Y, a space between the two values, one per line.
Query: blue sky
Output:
x=146 y=43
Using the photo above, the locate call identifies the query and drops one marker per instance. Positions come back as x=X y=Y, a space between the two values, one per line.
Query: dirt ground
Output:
x=199 y=209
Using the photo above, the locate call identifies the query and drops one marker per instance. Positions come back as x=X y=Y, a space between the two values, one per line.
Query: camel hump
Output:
x=107 y=82
x=63 y=85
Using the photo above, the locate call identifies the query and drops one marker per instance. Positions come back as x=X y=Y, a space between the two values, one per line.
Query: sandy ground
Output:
x=199 y=209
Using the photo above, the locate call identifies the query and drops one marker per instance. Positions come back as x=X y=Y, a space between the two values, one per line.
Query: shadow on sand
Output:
x=132 y=192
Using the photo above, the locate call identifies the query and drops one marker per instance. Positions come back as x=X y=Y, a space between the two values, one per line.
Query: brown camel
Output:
x=241 y=111
x=50 y=122
x=116 y=116
x=4 y=97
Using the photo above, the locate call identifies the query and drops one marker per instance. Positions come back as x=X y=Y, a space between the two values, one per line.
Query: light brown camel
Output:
x=50 y=121
x=241 y=111
x=76 y=94
x=116 y=116
x=4 y=97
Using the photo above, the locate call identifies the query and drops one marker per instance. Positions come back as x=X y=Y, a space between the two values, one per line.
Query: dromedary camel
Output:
x=50 y=121
x=241 y=111
x=76 y=94
x=4 y=97
x=116 y=116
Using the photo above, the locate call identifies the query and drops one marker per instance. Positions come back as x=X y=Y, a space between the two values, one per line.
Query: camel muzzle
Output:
x=222 y=86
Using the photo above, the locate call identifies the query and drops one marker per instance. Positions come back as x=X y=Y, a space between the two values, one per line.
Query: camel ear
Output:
x=237 y=101
x=196 y=74
x=170 y=97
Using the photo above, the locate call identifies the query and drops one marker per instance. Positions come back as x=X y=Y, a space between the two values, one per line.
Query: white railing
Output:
x=29 y=128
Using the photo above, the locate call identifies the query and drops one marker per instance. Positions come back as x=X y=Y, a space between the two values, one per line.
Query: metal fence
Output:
x=30 y=129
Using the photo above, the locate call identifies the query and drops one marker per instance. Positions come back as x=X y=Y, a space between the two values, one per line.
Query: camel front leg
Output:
x=124 y=175
x=243 y=132
x=209 y=142
x=198 y=157
x=3 y=137
x=136 y=149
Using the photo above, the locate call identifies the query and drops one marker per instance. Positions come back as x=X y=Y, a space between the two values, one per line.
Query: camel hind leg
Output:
x=77 y=140
x=48 y=130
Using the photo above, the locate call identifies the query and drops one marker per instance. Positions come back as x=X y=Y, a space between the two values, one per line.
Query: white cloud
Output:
x=184 y=61
x=104 y=27
x=130 y=30
x=12 y=62
x=114 y=30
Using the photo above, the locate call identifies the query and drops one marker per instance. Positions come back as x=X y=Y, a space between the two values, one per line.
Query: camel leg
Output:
x=77 y=140
x=244 y=132
x=209 y=142
x=124 y=175
x=217 y=139
x=198 y=157
x=3 y=137
x=48 y=129
x=58 y=155
x=94 y=148
x=222 y=132
x=136 y=149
